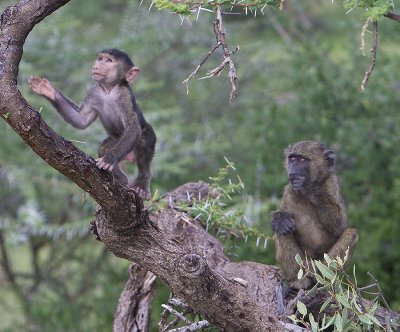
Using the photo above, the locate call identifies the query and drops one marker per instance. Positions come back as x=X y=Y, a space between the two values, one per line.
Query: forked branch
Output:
x=219 y=31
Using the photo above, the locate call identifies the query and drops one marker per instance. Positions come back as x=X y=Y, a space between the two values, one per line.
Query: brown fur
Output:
x=320 y=222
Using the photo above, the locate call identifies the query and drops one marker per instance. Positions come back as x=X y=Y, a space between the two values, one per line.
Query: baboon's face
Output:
x=298 y=171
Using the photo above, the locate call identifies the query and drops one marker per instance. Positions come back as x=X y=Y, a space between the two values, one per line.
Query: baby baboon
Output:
x=130 y=136
x=312 y=218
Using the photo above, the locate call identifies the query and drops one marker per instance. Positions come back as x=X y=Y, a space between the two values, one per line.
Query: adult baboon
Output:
x=312 y=218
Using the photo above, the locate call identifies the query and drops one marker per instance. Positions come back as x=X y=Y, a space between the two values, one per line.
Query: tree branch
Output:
x=219 y=31
x=37 y=273
x=393 y=16
x=373 y=52
x=5 y=263
x=191 y=262
x=134 y=304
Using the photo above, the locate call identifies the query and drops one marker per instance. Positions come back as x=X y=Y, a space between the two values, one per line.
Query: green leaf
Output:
x=320 y=280
x=342 y=298
x=354 y=275
x=330 y=321
x=301 y=308
x=337 y=286
x=357 y=307
x=373 y=319
x=328 y=260
x=313 y=265
x=365 y=319
x=325 y=305
x=323 y=320
x=338 y=323
x=300 y=274
x=325 y=271
x=333 y=265
x=298 y=259
x=345 y=315
x=314 y=325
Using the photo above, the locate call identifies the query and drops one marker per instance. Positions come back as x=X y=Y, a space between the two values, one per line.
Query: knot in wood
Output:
x=192 y=265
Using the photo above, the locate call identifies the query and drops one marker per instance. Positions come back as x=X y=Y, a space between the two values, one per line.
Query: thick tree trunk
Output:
x=232 y=296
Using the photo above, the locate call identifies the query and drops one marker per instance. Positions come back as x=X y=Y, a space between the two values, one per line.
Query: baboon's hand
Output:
x=283 y=223
x=42 y=87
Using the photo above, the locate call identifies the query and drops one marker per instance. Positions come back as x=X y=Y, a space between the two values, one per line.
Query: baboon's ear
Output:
x=132 y=74
x=330 y=157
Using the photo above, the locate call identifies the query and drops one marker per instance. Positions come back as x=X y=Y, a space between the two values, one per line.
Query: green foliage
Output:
x=373 y=9
x=351 y=312
x=191 y=7
x=223 y=213
x=176 y=7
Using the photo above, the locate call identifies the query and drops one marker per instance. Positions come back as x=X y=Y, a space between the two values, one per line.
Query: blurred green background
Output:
x=299 y=78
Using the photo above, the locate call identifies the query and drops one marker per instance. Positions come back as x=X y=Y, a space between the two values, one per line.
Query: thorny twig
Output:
x=373 y=52
x=380 y=293
x=198 y=4
x=193 y=327
x=179 y=317
x=227 y=60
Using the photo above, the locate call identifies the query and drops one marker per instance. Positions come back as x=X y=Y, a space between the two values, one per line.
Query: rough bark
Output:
x=233 y=296
x=133 y=311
